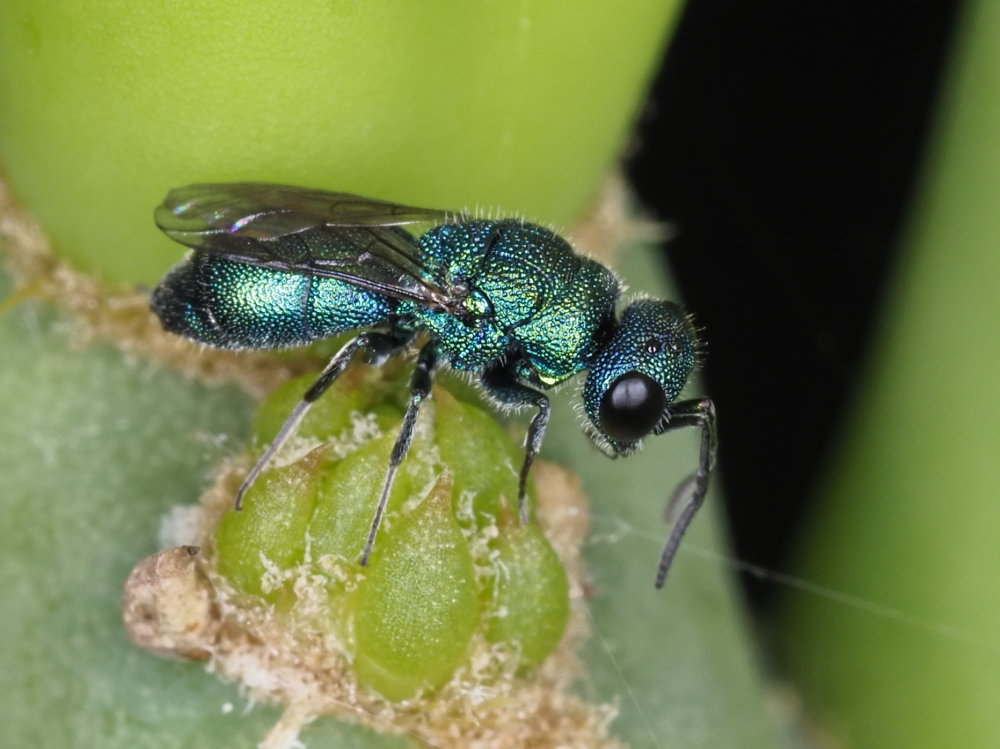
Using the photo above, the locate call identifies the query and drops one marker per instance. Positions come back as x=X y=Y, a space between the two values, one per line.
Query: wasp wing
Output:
x=337 y=235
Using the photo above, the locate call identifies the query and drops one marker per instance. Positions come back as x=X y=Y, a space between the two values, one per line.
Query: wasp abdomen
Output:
x=232 y=305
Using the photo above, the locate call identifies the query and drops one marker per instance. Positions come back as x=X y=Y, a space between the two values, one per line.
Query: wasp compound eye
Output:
x=631 y=407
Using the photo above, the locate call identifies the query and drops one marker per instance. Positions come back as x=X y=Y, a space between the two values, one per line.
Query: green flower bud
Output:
x=451 y=566
x=531 y=594
x=417 y=609
x=256 y=547
x=360 y=390
x=468 y=436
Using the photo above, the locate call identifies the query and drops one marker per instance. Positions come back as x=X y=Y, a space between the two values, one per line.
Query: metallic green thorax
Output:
x=530 y=297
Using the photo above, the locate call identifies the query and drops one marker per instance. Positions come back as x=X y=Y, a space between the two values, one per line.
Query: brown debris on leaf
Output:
x=169 y=606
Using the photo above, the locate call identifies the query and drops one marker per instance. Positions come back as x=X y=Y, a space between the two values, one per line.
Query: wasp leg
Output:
x=420 y=388
x=690 y=493
x=502 y=386
x=379 y=345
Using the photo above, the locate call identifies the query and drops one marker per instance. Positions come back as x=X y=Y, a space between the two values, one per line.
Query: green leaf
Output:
x=907 y=528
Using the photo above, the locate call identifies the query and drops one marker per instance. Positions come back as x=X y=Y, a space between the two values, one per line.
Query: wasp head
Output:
x=639 y=374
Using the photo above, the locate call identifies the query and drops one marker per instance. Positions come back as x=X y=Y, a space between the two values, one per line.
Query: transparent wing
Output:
x=336 y=235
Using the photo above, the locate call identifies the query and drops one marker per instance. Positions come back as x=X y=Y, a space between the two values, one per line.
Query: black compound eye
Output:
x=631 y=407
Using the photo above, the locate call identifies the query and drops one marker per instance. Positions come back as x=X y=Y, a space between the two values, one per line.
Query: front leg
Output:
x=690 y=493
x=503 y=386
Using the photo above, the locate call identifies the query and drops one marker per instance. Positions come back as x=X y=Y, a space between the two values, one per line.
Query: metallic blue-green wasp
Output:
x=276 y=266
